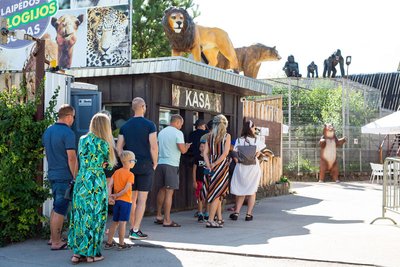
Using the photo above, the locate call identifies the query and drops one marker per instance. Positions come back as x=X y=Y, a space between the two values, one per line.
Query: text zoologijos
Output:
x=28 y=15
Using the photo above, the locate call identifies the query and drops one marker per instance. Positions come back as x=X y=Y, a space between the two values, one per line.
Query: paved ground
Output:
x=321 y=224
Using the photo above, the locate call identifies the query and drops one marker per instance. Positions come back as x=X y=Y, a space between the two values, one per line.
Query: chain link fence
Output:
x=356 y=106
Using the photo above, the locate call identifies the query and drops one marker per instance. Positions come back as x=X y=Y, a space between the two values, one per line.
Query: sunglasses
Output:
x=133 y=160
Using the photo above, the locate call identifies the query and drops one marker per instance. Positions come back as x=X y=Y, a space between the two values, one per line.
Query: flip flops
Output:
x=172 y=224
x=63 y=247
x=158 y=221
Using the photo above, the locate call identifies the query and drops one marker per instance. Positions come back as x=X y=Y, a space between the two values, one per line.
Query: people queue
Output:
x=144 y=156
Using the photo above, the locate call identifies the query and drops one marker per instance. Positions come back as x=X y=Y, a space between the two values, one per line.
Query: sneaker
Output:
x=196 y=214
x=200 y=219
x=206 y=217
x=137 y=235
x=125 y=246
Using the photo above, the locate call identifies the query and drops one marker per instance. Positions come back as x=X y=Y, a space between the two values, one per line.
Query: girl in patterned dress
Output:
x=90 y=198
x=215 y=155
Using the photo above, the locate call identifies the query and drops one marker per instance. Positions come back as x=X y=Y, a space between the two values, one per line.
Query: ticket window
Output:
x=120 y=113
x=195 y=117
x=165 y=117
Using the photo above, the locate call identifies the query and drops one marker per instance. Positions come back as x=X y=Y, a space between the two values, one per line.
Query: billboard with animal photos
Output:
x=78 y=33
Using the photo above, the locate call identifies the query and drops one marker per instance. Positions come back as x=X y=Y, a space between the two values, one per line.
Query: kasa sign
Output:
x=33 y=16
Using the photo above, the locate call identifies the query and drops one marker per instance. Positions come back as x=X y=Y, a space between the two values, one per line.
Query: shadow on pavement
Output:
x=272 y=218
x=33 y=253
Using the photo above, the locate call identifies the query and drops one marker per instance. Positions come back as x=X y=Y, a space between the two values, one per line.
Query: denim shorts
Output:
x=58 y=188
x=121 y=211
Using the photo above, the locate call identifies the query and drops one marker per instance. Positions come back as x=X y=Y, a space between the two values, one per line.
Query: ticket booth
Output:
x=174 y=85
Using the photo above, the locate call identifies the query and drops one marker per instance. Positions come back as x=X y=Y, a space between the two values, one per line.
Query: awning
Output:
x=386 y=125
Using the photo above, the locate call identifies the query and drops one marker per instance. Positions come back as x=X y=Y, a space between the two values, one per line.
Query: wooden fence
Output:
x=267 y=112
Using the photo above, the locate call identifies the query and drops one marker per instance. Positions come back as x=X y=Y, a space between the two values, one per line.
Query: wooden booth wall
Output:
x=268 y=113
x=156 y=91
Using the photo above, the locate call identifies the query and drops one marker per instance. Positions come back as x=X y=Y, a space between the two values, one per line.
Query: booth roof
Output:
x=181 y=68
x=386 y=125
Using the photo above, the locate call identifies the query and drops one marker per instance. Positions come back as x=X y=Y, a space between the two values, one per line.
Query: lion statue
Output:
x=185 y=36
x=328 y=161
x=250 y=58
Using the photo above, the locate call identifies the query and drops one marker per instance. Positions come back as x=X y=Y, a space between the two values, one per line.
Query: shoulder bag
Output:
x=246 y=154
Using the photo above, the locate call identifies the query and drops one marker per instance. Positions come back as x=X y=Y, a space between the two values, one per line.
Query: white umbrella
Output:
x=389 y=124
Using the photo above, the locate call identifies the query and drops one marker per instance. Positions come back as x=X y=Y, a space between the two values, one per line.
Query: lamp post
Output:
x=345 y=111
x=348 y=62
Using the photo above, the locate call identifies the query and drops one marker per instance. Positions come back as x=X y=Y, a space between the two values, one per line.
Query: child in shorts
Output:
x=121 y=181
x=198 y=181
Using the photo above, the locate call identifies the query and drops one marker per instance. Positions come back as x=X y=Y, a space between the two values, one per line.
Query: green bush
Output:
x=283 y=180
x=21 y=191
x=303 y=165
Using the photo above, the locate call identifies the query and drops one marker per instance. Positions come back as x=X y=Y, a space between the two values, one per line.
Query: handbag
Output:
x=69 y=191
x=246 y=154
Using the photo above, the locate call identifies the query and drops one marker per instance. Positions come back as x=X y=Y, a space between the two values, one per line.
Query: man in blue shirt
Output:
x=171 y=144
x=139 y=135
x=60 y=149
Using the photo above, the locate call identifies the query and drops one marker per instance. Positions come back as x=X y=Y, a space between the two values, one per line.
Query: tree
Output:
x=148 y=39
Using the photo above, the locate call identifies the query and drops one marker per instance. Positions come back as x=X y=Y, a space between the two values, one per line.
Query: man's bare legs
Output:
x=133 y=209
x=167 y=206
x=164 y=200
x=160 y=203
x=56 y=224
x=139 y=210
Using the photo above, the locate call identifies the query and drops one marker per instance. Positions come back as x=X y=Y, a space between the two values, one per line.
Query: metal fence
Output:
x=391 y=188
x=355 y=156
x=301 y=150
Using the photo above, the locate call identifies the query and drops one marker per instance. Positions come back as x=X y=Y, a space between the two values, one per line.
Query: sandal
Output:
x=221 y=222
x=249 y=217
x=172 y=224
x=75 y=259
x=158 y=221
x=125 y=246
x=94 y=259
x=234 y=216
x=110 y=246
x=213 y=224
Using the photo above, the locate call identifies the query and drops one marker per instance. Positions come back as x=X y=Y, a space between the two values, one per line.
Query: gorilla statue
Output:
x=331 y=62
x=311 y=69
x=291 y=67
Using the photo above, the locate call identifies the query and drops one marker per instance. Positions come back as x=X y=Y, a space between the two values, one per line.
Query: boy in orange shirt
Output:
x=122 y=181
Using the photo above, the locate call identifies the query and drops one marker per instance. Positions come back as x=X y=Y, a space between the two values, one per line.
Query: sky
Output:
x=311 y=30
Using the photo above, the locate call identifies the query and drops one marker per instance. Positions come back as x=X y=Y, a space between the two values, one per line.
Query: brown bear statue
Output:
x=328 y=163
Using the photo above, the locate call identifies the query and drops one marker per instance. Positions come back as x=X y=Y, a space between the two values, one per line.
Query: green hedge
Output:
x=21 y=153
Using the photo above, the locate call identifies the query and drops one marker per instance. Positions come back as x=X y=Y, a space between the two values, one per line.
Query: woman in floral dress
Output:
x=215 y=156
x=90 y=197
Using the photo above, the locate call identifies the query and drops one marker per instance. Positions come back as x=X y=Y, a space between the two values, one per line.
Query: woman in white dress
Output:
x=246 y=178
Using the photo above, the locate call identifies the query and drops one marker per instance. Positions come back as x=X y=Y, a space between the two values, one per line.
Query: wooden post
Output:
x=39 y=69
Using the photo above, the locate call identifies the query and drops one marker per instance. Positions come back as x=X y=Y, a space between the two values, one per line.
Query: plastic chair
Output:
x=376 y=172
